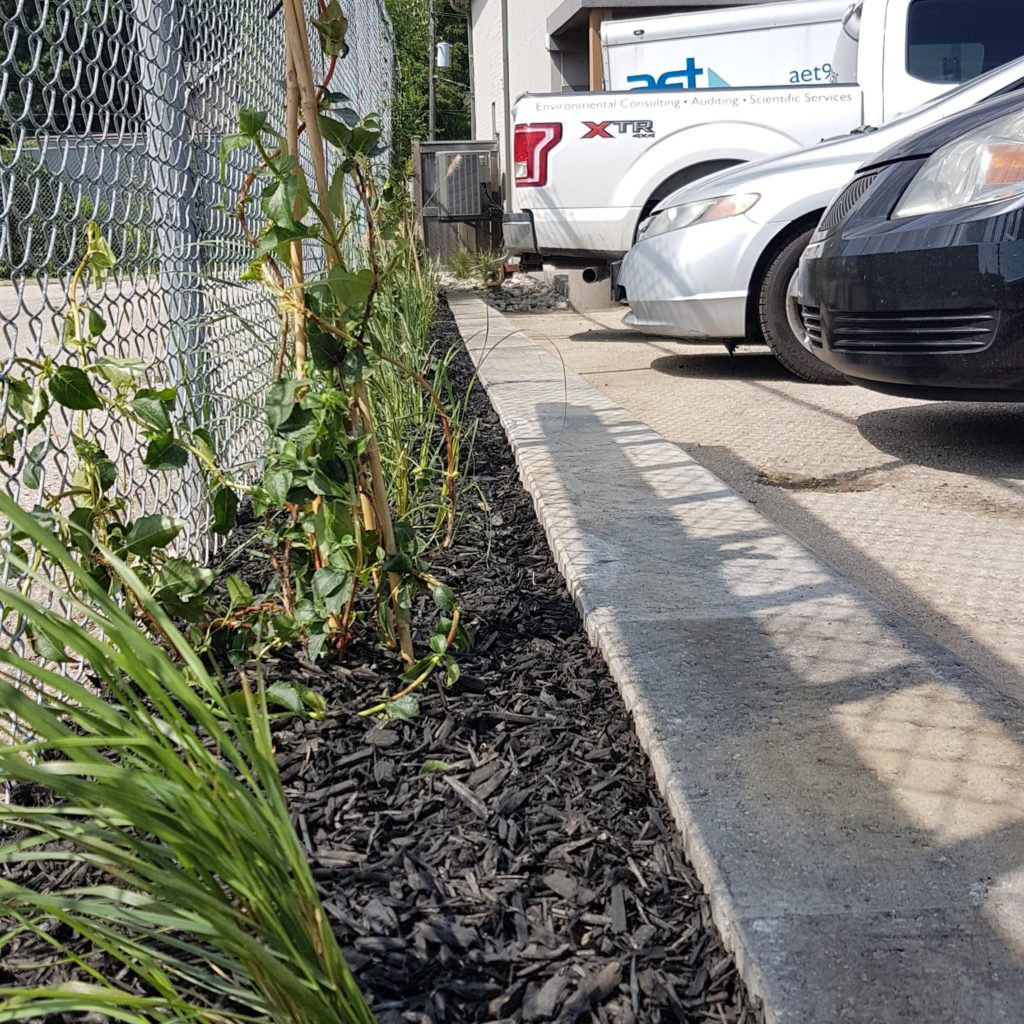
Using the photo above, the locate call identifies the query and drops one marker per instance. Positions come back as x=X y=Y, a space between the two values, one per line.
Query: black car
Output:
x=913 y=283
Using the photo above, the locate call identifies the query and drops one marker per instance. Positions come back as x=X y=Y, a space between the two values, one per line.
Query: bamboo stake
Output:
x=297 y=41
x=298 y=267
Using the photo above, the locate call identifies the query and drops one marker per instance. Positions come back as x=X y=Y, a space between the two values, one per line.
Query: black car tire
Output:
x=772 y=303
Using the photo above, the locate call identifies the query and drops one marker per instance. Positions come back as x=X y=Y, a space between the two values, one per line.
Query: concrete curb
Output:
x=850 y=794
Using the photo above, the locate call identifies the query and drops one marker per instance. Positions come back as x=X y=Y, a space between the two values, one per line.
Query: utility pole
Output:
x=432 y=101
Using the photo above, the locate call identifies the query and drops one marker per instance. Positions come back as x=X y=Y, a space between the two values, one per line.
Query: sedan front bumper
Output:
x=693 y=283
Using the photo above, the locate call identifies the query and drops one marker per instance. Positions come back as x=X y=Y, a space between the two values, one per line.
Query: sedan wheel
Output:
x=779 y=314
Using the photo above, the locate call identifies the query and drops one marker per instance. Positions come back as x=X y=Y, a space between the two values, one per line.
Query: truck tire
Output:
x=780 y=318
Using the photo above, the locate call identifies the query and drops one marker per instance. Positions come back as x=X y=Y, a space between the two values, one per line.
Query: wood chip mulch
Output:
x=538 y=878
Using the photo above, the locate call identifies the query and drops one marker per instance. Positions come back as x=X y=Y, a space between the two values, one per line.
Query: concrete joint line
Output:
x=851 y=795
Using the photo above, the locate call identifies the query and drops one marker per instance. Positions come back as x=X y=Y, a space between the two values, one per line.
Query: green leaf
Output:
x=280 y=402
x=284 y=202
x=153 y=408
x=81 y=520
x=277 y=482
x=119 y=372
x=315 y=646
x=26 y=402
x=335 y=132
x=7 y=445
x=439 y=644
x=71 y=388
x=150 y=532
x=350 y=289
x=164 y=453
x=251 y=122
x=430 y=765
x=332 y=588
x=403 y=708
x=452 y=673
x=224 y=503
x=97 y=325
x=239 y=593
x=46 y=648
x=33 y=472
x=444 y=597
x=299 y=700
x=277 y=238
x=99 y=257
x=93 y=455
x=228 y=145
x=332 y=26
x=183 y=578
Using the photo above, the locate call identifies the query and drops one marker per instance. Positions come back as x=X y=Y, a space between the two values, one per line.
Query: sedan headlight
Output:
x=984 y=166
x=676 y=217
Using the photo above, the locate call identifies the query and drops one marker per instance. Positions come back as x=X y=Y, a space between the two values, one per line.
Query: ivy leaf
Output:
x=164 y=453
x=228 y=145
x=277 y=237
x=33 y=472
x=7 y=443
x=224 y=503
x=277 y=483
x=332 y=27
x=280 y=402
x=239 y=592
x=300 y=700
x=284 y=203
x=183 y=578
x=47 y=649
x=99 y=257
x=405 y=709
x=151 y=532
x=97 y=325
x=119 y=372
x=152 y=407
x=335 y=132
x=350 y=289
x=444 y=597
x=29 y=403
x=332 y=588
x=93 y=455
x=251 y=122
x=71 y=388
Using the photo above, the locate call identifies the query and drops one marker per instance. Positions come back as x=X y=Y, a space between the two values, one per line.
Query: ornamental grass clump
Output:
x=186 y=894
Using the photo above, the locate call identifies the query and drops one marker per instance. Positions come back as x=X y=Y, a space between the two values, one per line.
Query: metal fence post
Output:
x=163 y=78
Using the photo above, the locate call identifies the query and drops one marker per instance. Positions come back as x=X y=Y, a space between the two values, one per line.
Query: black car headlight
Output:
x=984 y=166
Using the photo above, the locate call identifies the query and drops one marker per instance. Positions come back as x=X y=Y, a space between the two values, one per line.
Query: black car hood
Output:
x=927 y=142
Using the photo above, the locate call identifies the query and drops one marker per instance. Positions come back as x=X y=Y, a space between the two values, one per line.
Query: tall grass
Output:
x=166 y=796
x=423 y=460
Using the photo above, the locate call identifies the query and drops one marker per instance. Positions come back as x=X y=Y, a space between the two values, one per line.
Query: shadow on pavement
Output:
x=979 y=440
x=853 y=789
x=717 y=364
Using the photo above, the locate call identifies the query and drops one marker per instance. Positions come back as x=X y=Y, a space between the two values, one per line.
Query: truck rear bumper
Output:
x=571 y=236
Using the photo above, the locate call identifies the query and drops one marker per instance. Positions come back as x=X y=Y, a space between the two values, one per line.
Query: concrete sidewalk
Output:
x=850 y=793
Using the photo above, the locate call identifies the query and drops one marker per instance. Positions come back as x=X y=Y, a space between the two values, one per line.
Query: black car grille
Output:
x=842 y=206
x=811 y=317
x=902 y=333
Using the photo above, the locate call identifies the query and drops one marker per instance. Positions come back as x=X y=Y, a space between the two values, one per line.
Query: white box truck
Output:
x=773 y=44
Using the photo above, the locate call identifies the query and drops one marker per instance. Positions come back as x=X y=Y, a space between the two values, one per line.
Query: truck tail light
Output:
x=534 y=143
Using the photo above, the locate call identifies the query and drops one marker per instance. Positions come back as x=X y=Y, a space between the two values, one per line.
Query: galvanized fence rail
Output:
x=113 y=111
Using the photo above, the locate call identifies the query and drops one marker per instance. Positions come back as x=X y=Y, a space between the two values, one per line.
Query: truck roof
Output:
x=685 y=25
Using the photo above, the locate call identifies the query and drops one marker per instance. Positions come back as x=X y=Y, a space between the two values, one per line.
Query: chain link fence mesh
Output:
x=113 y=111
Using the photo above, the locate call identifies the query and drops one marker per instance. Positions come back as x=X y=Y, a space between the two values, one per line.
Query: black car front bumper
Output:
x=930 y=306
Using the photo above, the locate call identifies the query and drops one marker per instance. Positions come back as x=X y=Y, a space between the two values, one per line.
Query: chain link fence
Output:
x=113 y=111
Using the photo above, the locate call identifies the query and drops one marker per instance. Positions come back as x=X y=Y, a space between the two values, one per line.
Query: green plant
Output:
x=88 y=512
x=166 y=794
x=461 y=263
x=329 y=513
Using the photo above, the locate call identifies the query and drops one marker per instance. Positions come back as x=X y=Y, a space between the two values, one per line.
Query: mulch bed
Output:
x=539 y=878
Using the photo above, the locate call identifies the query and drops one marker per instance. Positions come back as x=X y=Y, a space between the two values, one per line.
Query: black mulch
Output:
x=540 y=877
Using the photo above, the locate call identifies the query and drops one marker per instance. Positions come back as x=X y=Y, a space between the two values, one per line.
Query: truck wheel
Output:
x=780 y=315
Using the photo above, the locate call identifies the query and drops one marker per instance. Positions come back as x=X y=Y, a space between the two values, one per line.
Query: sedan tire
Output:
x=779 y=314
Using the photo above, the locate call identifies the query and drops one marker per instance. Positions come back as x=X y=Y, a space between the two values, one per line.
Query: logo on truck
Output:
x=604 y=129
x=683 y=78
